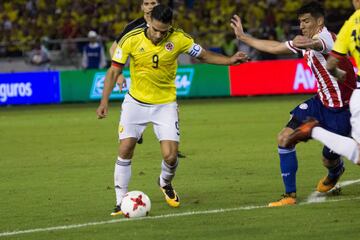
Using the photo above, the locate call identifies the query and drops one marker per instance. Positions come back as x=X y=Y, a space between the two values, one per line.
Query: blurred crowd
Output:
x=27 y=25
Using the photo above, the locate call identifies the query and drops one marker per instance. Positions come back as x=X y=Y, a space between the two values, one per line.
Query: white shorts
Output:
x=135 y=116
x=355 y=115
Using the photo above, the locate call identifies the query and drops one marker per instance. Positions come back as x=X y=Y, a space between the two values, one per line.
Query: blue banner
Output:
x=29 y=88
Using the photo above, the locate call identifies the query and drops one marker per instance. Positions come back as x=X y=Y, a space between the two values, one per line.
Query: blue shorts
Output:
x=334 y=120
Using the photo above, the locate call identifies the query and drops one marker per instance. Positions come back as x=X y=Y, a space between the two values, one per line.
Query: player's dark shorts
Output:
x=332 y=119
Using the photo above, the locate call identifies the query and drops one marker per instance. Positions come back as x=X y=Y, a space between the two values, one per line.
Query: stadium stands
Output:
x=62 y=25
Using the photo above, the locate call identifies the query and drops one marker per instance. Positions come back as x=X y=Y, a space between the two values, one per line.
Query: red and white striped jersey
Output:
x=331 y=92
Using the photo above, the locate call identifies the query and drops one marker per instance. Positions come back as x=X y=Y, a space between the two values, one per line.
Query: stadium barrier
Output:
x=192 y=81
x=29 y=88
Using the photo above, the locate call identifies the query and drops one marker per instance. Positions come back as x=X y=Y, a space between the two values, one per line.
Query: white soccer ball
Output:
x=135 y=204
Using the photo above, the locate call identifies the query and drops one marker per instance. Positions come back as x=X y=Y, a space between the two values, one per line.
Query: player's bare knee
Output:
x=126 y=151
x=170 y=158
x=281 y=139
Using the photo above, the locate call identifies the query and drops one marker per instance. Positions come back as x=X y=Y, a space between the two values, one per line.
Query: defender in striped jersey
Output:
x=347 y=41
x=331 y=104
x=153 y=54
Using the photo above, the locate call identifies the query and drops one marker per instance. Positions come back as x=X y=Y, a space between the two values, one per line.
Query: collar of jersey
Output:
x=165 y=38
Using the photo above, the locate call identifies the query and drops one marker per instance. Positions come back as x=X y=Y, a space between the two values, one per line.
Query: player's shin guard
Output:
x=122 y=176
x=288 y=165
x=167 y=173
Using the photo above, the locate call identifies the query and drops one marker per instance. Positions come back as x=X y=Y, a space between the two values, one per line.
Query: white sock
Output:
x=122 y=176
x=167 y=173
x=344 y=146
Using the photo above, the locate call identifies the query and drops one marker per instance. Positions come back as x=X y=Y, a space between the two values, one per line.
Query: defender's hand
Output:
x=236 y=24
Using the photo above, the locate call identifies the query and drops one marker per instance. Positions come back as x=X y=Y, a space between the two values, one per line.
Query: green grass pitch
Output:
x=56 y=169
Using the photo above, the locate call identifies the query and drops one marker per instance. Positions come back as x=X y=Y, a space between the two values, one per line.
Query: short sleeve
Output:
x=326 y=40
x=290 y=46
x=122 y=52
x=189 y=46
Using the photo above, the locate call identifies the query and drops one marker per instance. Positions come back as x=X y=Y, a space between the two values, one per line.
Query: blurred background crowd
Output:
x=59 y=29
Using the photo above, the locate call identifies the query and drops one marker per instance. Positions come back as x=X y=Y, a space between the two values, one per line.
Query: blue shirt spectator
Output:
x=93 y=53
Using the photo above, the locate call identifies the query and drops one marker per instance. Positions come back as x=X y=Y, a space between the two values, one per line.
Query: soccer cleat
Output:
x=170 y=194
x=117 y=211
x=326 y=183
x=287 y=199
x=302 y=133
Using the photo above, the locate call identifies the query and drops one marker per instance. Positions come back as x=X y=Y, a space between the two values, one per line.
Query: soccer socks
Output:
x=167 y=173
x=288 y=165
x=122 y=176
x=344 y=146
x=337 y=170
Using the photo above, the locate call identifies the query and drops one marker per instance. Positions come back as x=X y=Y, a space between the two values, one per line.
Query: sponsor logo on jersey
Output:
x=118 y=54
x=303 y=106
x=169 y=46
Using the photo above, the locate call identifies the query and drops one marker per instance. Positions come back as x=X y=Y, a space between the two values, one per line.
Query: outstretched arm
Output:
x=214 y=58
x=268 y=46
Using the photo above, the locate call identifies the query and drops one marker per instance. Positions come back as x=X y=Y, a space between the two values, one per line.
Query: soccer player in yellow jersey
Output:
x=348 y=40
x=153 y=53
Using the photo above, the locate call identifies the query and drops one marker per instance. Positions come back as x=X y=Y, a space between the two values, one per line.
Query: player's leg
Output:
x=131 y=127
x=122 y=171
x=169 y=150
x=166 y=128
x=288 y=166
x=287 y=153
x=335 y=166
x=344 y=146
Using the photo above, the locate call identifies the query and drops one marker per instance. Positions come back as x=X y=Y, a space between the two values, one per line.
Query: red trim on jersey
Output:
x=329 y=84
x=323 y=44
x=292 y=46
x=116 y=64
x=337 y=55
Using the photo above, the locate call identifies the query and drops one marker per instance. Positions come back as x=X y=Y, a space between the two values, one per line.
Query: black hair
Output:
x=162 y=13
x=314 y=8
x=157 y=1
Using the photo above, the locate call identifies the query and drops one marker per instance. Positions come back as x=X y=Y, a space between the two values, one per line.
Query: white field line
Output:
x=65 y=227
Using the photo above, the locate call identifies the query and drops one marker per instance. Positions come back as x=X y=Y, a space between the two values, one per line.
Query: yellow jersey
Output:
x=348 y=39
x=153 y=67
